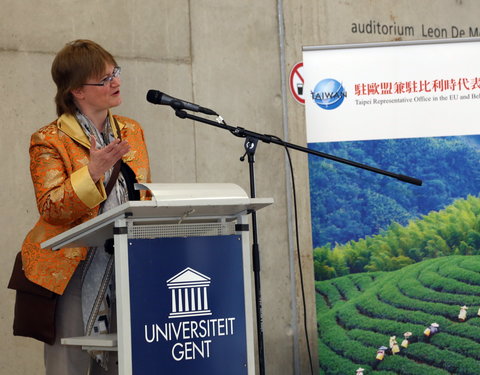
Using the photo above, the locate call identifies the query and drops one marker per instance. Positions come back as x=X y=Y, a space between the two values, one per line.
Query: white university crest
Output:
x=189 y=294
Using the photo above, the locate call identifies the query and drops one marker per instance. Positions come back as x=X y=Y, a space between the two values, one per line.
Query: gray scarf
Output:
x=98 y=286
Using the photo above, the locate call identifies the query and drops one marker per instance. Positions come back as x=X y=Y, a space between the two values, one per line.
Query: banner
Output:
x=385 y=90
x=397 y=266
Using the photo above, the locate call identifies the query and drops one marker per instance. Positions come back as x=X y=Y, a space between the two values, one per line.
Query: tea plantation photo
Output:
x=359 y=313
x=397 y=267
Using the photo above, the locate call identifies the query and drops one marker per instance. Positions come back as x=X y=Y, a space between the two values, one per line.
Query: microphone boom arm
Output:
x=243 y=133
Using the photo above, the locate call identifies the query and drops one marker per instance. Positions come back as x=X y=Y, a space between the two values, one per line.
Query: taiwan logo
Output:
x=329 y=94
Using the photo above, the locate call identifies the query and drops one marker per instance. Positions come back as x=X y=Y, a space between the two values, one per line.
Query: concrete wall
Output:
x=221 y=54
x=327 y=22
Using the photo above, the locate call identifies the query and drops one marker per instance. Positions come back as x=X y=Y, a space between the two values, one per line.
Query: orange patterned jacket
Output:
x=66 y=194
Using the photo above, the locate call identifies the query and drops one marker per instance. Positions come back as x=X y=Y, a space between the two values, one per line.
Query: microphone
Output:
x=158 y=97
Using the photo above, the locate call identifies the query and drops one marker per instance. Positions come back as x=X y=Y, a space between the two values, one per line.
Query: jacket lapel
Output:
x=70 y=126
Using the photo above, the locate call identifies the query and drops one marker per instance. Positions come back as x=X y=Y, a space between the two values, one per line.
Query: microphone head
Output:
x=154 y=96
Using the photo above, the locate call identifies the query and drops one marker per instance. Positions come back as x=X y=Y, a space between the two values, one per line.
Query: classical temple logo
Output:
x=189 y=294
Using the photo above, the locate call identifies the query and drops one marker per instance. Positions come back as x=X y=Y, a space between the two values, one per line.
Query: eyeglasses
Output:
x=108 y=79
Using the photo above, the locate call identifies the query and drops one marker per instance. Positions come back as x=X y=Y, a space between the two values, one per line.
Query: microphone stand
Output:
x=251 y=140
x=250 y=148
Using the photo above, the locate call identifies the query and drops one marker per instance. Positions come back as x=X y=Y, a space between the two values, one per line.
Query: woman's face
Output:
x=101 y=98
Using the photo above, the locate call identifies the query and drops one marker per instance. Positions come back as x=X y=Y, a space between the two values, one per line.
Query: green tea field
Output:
x=358 y=313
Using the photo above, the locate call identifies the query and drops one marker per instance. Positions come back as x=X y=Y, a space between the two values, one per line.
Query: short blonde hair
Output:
x=73 y=65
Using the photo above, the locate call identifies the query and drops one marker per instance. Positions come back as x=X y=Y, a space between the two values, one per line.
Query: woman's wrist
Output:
x=95 y=175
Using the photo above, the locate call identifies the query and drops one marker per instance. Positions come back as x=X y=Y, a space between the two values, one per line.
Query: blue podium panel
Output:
x=187 y=306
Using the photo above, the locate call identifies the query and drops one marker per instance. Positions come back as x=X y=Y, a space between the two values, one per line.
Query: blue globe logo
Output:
x=328 y=94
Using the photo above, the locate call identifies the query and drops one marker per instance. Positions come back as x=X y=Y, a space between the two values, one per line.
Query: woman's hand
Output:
x=104 y=159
